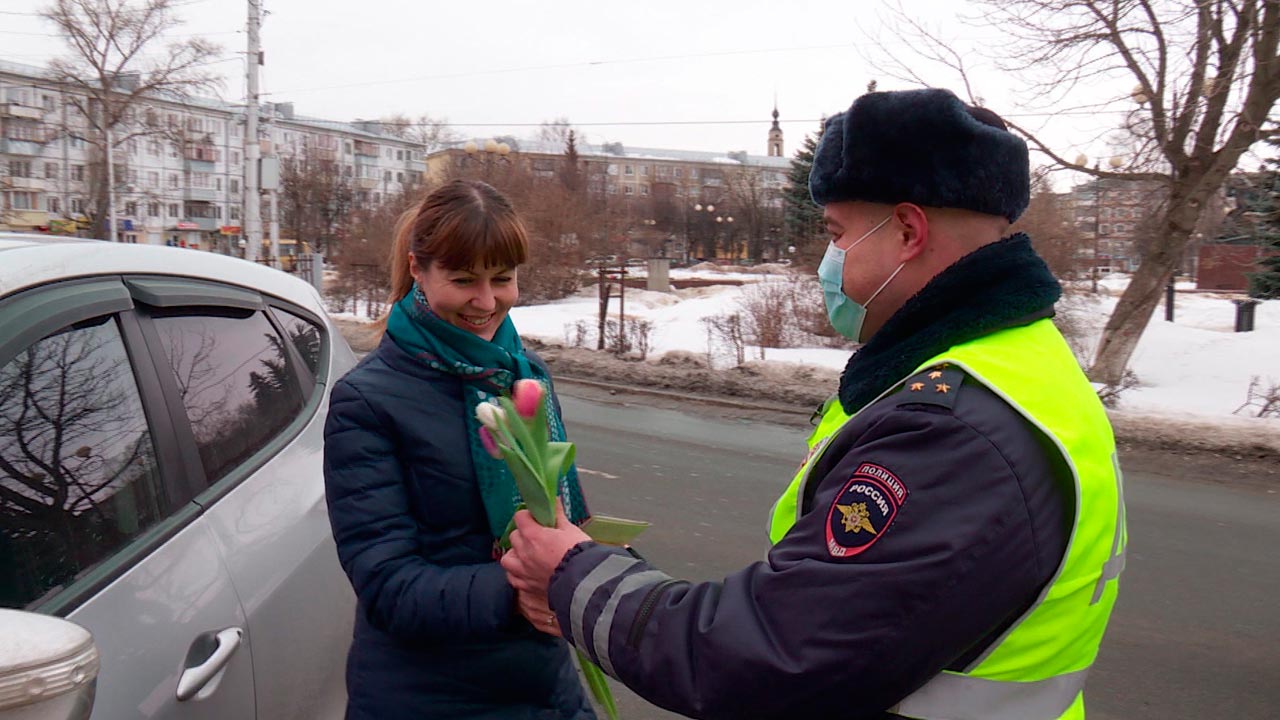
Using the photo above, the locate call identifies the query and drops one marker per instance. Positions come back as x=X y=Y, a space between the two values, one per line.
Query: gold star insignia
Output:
x=942 y=388
x=856 y=518
x=917 y=387
x=935 y=375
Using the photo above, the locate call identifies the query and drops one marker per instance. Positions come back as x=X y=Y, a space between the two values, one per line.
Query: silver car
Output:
x=161 y=434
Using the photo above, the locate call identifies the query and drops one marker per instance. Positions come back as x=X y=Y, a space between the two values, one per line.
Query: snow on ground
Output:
x=1194 y=368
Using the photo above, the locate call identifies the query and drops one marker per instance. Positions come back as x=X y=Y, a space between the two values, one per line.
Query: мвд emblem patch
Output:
x=863 y=510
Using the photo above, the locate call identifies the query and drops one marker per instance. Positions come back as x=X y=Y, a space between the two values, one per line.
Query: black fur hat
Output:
x=925 y=147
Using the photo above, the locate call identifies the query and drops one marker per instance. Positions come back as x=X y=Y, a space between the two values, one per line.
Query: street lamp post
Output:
x=491 y=152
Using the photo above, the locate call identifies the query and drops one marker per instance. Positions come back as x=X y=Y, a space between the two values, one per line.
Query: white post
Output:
x=274 y=227
x=252 y=149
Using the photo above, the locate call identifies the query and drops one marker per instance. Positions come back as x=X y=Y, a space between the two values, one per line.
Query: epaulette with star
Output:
x=937 y=385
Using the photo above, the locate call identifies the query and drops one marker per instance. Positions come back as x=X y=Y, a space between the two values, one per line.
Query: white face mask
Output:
x=846 y=314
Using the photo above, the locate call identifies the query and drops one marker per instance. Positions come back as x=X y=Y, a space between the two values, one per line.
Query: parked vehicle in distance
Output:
x=161 y=484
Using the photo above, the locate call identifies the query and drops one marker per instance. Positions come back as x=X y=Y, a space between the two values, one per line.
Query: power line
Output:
x=411 y=124
x=581 y=63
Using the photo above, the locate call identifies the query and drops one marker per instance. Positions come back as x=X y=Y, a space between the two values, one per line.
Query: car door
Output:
x=251 y=373
x=97 y=519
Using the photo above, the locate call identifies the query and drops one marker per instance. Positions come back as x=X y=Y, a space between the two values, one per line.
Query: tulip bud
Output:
x=527 y=396
x=490 y=445
x=491 y=416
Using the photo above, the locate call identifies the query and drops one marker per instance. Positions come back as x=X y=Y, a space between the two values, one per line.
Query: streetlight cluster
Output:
x=491 y=147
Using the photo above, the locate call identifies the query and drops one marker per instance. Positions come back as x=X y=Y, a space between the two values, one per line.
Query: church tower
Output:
x=775 y=134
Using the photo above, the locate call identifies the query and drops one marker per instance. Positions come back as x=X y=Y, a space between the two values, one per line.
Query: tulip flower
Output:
x=516 y=431
x=527 y=395
x=490 y=445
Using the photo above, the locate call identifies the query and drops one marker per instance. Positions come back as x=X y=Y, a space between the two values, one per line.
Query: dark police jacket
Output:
x=437 y=634
x=813 y=631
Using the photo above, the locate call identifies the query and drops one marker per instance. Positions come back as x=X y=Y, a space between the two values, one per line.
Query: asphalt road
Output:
x=1196 y=632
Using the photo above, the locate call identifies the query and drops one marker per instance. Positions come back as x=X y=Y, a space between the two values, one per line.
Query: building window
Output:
x=153 y=179
x=234 y=184
x=234 y=212
x=51 y=170
x=644 y=170
x=131 y=209
x=400 y=155
x=173 y=210
x=52 y=203
x=77 y=173
x=19 y=168
x=693 y=173
x=644 y=189
x=386 y=176
x=173 y=181
x=218 y=184
x=153 y=148
x=235 y=157
x=77 y=205
x=23 y=201
x=679 y=172
x=628 y=170
x=132 y=145
x=629 y=190
x=399 y=177
x=153 y=209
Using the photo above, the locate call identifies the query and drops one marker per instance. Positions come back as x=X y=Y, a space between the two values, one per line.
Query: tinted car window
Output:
x=236 y=382
x=78 y=476
x=305 y=336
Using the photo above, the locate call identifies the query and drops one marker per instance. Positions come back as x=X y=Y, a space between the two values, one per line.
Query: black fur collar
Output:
x=1000 y=285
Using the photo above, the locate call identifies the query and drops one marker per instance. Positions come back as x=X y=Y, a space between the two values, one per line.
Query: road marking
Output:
x=584 y=471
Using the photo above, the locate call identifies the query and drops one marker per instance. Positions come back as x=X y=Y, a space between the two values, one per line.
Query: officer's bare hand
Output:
x=536 y=551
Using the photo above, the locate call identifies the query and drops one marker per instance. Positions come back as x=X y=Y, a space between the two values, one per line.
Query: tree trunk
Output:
x=1133 y=311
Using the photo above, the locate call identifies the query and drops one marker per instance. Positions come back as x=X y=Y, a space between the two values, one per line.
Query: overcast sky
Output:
x=694 y=74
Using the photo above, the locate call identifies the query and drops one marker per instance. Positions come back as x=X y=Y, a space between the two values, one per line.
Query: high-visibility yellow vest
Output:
x=1036 y=670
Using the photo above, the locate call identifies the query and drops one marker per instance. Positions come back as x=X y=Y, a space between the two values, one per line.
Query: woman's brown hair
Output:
x=460 y=224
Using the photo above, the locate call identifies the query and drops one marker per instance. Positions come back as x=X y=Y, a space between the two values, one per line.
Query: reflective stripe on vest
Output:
x=1036 y=670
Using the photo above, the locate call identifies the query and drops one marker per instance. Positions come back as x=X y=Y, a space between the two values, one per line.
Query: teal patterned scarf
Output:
x=486 y=369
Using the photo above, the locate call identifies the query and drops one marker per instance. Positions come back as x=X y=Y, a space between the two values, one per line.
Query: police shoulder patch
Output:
x=863 y=510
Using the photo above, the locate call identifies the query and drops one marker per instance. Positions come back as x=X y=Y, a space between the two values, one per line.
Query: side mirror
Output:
x=48 y=668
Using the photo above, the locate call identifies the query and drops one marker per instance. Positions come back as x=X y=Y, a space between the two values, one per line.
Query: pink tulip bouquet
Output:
x=515 y=430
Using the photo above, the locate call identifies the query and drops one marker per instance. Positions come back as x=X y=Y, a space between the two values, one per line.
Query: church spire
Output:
x=775 y=132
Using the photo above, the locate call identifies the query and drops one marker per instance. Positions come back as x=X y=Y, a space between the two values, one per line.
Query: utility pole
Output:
x=252 y=148
x=111 y=173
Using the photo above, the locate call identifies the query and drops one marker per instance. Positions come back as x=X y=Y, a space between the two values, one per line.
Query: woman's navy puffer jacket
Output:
x=437 y=634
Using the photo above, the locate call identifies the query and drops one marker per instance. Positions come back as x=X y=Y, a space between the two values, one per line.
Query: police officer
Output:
x=950 y=545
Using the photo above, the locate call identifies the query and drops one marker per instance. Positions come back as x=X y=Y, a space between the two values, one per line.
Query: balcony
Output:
x=366 y=149
x=367 y=183
x=200 y=166
x=201 y=194
x=325 y=154
x=26 y=183
x=416 y=165
x=10 y=146
x=26 y=112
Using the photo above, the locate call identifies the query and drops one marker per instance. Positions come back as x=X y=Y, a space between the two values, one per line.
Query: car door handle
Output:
x=206 y=659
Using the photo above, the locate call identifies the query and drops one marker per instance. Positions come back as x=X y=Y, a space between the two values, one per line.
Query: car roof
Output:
x=30 y=260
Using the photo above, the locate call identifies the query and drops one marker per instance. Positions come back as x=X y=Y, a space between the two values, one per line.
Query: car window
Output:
x=236 y=381
x=305 y=336
x=78 y=474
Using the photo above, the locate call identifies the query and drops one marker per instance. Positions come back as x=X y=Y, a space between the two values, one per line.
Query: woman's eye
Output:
x=503 y=279
x=462 y=281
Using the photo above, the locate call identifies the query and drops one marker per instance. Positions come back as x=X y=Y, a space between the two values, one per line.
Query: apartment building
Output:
x=1109 y=215
x=179 y=167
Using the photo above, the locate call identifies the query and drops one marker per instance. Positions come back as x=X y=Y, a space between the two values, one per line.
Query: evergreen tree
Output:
x=570 y=174
x=802 y=217
x=1266 y=283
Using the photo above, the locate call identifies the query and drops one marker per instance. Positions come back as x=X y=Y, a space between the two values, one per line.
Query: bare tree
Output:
x=114 y=65
x=429 y=132
x=757 y=211
x=1048 y=221
x=316 y=201
x=1206 y=77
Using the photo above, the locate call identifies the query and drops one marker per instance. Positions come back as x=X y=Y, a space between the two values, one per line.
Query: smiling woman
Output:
x=415 y=500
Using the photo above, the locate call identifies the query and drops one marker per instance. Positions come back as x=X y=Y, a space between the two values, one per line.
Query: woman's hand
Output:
x=537 y=611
